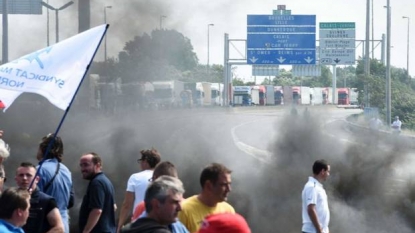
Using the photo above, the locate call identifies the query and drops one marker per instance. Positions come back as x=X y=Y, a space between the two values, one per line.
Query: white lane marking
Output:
x=261 y=155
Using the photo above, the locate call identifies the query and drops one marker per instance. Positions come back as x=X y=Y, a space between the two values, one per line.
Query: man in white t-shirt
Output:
x=315 y=208
x=137 y=185
x=396 y=125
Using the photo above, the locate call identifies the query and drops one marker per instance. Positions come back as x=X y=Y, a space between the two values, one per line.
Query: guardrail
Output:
x=388 y=134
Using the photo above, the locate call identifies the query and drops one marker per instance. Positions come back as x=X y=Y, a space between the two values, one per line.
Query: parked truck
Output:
x=343 y=96
x=278 y=95
x=242 y=95
x=305 y=95
x=196 y=93
x=167 y=93
x=288 y=95
x=255 y=95
x=269 y=95
x=296 y=95
x=354 y=96
x=207 y=93
x=217 y=93
x=317 y=96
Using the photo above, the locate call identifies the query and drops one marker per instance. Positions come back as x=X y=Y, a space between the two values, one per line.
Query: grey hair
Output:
x=160 y=190
x=4 y=149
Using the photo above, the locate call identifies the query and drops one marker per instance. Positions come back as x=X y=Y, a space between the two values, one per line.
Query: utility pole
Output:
x=388 y=64
x=367 y=57
x=407 y=50
x=5 y=45
x=373 y=32
x=208 y=48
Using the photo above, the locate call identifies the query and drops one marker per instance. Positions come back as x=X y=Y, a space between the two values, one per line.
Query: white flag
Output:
x=54 y=72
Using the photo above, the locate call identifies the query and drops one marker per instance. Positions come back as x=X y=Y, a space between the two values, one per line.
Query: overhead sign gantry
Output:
x=281 y=39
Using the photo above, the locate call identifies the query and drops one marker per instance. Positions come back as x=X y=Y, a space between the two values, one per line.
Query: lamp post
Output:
x=407 y=49
x=105 y=22
x=207 y=66
x=57 y=15
x=161 y=21
x=388 y=62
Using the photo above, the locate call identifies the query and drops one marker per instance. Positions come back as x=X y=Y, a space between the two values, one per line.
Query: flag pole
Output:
x=68 y=108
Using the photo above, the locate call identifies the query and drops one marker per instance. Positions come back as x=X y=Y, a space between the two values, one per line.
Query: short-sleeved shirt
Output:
x=99 y=195
x=138 y=184
x=6 y=227
x=314 y=193
x=194 y=211
x=41 y=205
x=60 y=188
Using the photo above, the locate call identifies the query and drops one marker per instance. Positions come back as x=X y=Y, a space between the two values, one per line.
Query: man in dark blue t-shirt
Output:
x=97 y=213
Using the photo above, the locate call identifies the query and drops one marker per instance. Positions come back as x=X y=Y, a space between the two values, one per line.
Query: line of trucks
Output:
x=174 y=94
x=279 y=95
x=157 y=94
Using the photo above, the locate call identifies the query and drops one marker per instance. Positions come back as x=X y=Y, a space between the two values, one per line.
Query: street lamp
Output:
x=207 y=66
x=407 y=49
x=57 y=15
x=105 y=22
x=161 y=21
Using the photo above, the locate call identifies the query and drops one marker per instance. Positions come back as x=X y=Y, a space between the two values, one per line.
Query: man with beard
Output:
x=97 y=213
x=315 y=210
x=44 y=213
x=162 y=200
x=216 y=185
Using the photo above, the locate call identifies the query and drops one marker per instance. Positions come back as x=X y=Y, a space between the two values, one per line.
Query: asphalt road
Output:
x=269 y=150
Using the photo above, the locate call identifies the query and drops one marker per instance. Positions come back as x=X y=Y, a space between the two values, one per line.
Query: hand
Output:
x=1 y=133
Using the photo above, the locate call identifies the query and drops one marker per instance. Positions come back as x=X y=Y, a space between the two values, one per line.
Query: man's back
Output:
x=145 y=225
x=137 y=184
x=59 y=188
x=194 y=211
x=40 y=206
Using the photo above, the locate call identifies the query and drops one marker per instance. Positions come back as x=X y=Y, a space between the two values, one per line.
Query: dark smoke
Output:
x=370 y=188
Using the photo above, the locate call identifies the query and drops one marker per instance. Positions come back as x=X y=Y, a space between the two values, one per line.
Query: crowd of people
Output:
x=43 y=194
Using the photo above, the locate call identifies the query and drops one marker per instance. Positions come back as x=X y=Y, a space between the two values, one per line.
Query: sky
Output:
x=129 y=18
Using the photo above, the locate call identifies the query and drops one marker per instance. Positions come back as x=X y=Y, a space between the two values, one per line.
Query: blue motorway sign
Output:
x=269 y=41
x=286 y=57
x=281 y=39
x=283 y=20
x=278 y=29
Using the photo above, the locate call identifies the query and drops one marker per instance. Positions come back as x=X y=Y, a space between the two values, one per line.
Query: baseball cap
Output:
x=224 y=222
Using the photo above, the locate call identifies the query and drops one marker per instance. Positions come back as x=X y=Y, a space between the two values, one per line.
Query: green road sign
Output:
x=337 y=25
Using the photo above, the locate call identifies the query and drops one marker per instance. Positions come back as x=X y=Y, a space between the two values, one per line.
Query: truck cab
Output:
x=242 y=95
x=343 y=96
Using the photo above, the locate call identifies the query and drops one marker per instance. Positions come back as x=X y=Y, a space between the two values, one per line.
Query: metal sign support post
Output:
x=334 y=84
